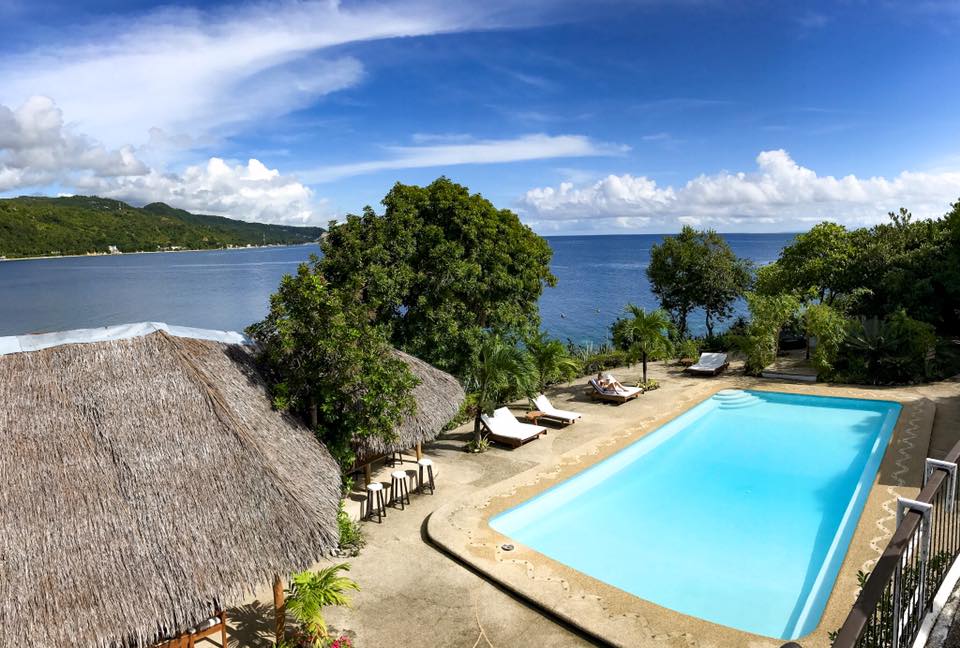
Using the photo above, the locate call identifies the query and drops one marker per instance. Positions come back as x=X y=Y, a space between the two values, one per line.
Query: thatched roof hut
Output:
x=438 y=399
x=145 y=483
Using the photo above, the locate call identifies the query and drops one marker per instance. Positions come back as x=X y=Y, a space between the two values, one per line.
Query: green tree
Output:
x=325 y=361
x=440 y=267
x=499 y=370
x=829 y=326
x=697 y=269
x=645 y=333
x=815 y=266
x=310 y=592
x=725 y=277
x=768 y=315
x=674 y=273
x=551 y=360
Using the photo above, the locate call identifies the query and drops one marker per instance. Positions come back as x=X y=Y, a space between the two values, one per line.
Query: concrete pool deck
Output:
x=433 y=574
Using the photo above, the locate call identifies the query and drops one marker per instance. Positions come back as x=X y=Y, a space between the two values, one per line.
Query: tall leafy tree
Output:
x=674 y=272
x=646 y=333
x=325 y=361
x=498 y=370
x=438 y=268
x=724 y=278
x=551 y=360
x=697 y=269
x=814 y=267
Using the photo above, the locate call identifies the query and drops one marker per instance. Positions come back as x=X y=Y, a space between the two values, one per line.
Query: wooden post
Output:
x=419 y=450
x=367 y=475
x=223 y=629
x=279 y=609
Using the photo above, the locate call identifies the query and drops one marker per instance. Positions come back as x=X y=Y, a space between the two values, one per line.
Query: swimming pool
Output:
x=739 y=511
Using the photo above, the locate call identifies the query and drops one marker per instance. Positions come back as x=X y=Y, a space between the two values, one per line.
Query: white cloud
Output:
x=525 y=147
x=248 y=192
x=192 y=72
x=37 y=149
x=780 y=194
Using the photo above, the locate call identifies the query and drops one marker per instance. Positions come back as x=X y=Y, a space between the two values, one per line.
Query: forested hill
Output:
x=36 y=226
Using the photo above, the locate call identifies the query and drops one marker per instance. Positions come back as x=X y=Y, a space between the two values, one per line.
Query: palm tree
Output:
x=647 y=333
x=310 y=592
x=498 y=370
x=550 y=359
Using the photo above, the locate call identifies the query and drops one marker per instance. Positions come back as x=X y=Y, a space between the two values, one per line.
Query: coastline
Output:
x=105 y=254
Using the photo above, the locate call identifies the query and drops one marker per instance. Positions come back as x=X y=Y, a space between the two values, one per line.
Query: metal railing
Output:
x=899 y=592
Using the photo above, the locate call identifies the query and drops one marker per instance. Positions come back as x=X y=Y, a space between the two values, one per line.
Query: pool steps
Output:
x=735 y=399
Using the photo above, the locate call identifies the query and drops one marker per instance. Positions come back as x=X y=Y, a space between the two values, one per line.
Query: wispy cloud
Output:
x=490 y=151
x=682 y=103
x=778 y=194
x=657 y=137
x=190 y=71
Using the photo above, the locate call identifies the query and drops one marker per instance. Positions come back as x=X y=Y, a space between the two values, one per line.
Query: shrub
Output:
x=688 y=348
x=830 y=328
x=592 y=358
x=477 y=445
x=351 y=534
x=768 y=316
x=308 y=594
x=896 y=350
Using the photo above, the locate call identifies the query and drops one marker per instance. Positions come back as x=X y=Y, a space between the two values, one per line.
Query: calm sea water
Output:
x=229 y=289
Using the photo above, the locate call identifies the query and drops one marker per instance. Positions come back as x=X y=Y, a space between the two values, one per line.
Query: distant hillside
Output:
x=32 y=226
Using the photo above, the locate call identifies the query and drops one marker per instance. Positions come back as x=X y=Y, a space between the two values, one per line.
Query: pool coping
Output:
x=616 y=617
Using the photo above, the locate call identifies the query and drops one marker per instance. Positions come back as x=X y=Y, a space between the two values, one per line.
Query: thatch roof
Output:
x=145 y=482
x=438 y=397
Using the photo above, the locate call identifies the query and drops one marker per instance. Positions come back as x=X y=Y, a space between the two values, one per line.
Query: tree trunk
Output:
x=477 y=429
x=644 y=367
x=709 y=325
x=682 y=325
x=279 y=610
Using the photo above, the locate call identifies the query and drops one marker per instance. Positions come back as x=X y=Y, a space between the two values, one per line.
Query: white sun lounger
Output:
x=614 y=395
x=504 y=427
x=710 y=364
x=549 y=411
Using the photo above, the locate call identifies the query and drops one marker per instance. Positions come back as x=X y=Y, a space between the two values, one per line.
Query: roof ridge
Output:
x=38 y=341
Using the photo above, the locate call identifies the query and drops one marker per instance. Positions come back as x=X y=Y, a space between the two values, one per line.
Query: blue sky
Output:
x=601 y=117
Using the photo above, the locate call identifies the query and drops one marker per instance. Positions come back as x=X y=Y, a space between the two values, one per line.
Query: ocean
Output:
x=230 y=289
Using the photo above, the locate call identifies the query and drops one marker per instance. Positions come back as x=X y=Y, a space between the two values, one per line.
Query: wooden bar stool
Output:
x=375 y=492
x=428 y=464
x=398 y=488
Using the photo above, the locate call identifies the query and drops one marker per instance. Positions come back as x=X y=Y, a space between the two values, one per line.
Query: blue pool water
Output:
x=739 y=511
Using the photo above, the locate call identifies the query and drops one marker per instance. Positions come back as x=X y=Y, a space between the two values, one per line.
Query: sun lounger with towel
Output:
x=614 y=394
x=550 y=412
x=504 y=427
x=710 y=364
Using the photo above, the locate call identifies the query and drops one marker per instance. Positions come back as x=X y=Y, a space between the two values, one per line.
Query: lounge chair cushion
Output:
x=709 y=362
x=504 y=424
x=544 y=405
x=626 y=391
